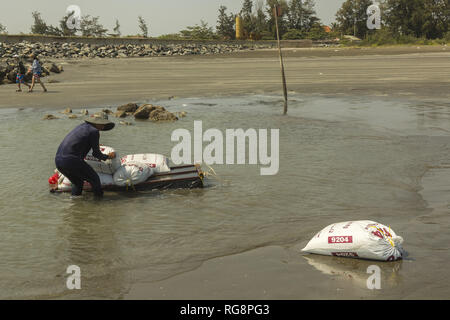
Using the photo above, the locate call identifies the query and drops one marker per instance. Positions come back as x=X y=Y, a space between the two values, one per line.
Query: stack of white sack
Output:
x=64 y=183
x=132 y=173
x=358 y=239
x=109 y=166
x=126 y=171
x=157 y=162
x=137 y=168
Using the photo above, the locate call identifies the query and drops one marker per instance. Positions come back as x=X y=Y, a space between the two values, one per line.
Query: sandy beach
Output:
x=277 y=270
x=416 y=72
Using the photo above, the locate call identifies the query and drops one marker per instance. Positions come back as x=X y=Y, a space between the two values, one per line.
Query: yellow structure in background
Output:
x=239 y=28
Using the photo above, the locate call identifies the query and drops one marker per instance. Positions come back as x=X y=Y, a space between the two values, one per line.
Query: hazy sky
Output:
x=162 y=16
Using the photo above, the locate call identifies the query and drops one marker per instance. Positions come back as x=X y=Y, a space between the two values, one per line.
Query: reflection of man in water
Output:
x=70 y=156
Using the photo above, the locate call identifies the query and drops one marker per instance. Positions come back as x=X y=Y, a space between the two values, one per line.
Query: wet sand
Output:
x=272 y=272
x=276 y=272
x=416 y=72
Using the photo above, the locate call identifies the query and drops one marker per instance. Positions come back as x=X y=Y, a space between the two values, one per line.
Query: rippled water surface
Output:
x=340 y=159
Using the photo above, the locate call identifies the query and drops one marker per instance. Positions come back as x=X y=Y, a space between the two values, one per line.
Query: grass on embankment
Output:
x=385 y=38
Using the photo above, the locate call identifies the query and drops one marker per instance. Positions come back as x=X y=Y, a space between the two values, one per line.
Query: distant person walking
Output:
x=20 y=73
x=37 y=73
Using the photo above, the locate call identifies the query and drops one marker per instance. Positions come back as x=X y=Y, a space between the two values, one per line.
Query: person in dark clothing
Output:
x=70 y=156
x=20 y=73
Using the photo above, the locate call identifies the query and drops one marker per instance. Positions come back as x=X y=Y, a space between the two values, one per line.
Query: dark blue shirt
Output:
x=78 y=143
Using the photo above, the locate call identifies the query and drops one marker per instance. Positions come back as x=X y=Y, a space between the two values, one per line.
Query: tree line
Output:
x=89 y=26
x=298 y=20
x=427 y=19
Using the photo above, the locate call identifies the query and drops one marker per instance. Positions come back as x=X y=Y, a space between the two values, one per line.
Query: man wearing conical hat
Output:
x=70 y=156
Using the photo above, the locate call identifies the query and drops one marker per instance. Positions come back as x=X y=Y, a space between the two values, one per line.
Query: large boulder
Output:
x=162 y=115
x=107 y=111
x=125 y=123
x=27 y=77
x=49 y=117
x=130 y=107
x=45 y=71
x=3 y=72
x=11 y=76
x=52 y=67
x=100 y=115
x=143 y=112
x=120 y=114
x=2 y=76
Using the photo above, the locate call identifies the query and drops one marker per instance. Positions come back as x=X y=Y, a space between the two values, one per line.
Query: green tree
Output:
x=352 y=17
x=301 y=14
x=317 y=32
x=418 y=18
x=225 y=24
x=53 y=31
x=294 y=34
x=143 y=26
x=282 y=21
x=198 y=32
x=39 y=26
x=247 y=8
x=260 y=18
x=248 y=19
x=90 y=27
x=439 y=12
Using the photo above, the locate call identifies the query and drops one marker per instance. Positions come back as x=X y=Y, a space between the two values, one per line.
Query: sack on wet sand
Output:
x=132 y=173
x=357 y=239
x=157 y=162
x=108 y=167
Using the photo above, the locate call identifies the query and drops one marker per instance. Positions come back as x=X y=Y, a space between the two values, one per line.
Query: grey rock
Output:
x=125 y=123
x=130 y=107
x=162 y=115
x=49 y=117
x=120 y=114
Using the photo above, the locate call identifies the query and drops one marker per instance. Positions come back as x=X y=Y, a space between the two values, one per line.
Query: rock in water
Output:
x=49 y=117
x=181 y=114
x=130 y=107
x=84 y=112
x=67 y=111
x=73 y=116
x=107 y=111
x=125 y=123
x=100 y=115
x=143 y=112
x=162 y=115
x=120 y=114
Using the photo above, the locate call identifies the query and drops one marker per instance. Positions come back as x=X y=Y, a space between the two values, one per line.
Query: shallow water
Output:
x=340 y=159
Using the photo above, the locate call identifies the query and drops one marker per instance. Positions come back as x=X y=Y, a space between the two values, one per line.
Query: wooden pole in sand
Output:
x=276 y=11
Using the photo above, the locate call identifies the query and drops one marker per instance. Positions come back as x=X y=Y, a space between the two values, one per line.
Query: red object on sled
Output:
x=53 y=180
